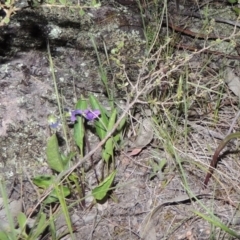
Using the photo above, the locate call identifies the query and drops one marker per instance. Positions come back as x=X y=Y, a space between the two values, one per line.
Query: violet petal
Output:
x=91 y=114
x=74 y=113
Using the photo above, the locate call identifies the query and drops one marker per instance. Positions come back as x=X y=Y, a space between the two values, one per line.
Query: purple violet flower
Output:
x=88 y=114
x=91 y=114
x=53 y=121
x=74 y=113
x=54 y=125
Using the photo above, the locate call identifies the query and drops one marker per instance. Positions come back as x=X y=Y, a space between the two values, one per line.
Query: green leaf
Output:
x=157 y=167
x=22 y=221
x=79 y=133
x=79 y=130
x=97 y=5
x=40 y=226
x=236 y=10
x=121 y=124
x=109 y=145
x=54 y=158
x=6 y=20
x=43 y=181
x=162 y=164
x=8 y=3
x=63 y=189
x=117 y=137
x=35 y=3
x=108 y=150
x=4 y=236
x=63 y=2
x=232 y=1
x=82 y=104
x=102 y=122
x=101 y=190
x=112 y=120
x=53 y=196
x=81 y=12
x=50 y=199
x=68 y=158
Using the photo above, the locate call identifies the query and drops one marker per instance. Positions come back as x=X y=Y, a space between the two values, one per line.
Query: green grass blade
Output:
x=52 y=227
x=103 y=73
x=57 y=95
x=60 y=194
x=41 y=225
x=11 y=233
x=216 y=222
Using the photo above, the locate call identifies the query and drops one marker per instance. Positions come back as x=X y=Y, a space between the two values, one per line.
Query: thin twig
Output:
x=221 y=20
